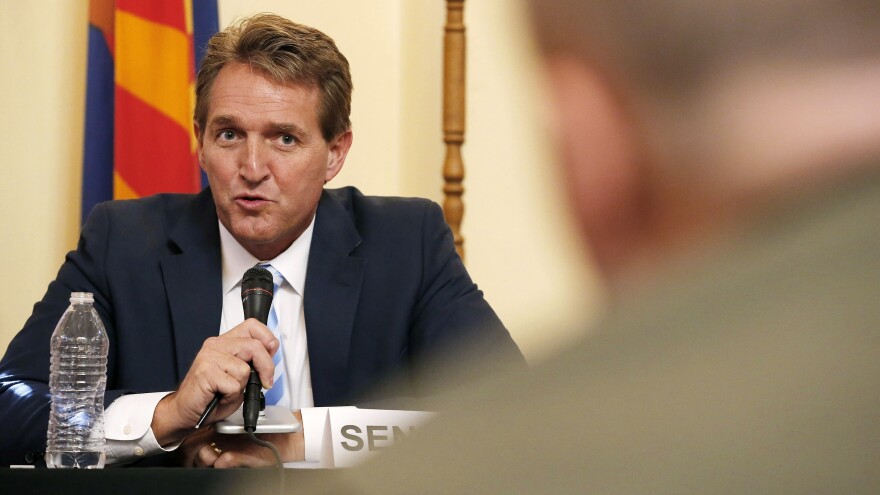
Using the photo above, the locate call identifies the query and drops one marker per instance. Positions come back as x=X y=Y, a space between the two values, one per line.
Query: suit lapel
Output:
x=333 y=286
x=192 y=274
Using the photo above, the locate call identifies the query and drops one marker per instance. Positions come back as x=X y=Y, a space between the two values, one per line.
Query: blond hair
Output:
x=288 y=53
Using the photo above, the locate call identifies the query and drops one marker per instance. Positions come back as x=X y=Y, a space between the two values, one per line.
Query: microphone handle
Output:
x=251 y=407
x=256 y=305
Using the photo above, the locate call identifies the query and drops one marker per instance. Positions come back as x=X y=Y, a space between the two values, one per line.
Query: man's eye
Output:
x=287 y=139
x=227 y=135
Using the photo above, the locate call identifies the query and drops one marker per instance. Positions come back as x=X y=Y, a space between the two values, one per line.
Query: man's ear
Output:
x=199 y=144
x=600 y=156
x=338 y=148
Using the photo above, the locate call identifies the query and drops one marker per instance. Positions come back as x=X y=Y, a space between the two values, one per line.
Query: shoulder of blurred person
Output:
x=750 y=370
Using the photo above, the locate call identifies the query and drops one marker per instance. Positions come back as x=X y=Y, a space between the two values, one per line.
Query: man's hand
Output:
x=221 y=366
x=207 y=448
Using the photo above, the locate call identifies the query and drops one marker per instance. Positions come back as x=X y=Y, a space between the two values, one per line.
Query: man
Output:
x=723 y=161
x=366 y=287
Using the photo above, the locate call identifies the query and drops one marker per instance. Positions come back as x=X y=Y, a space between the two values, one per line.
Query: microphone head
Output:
x=257 y=279
x=256 y=293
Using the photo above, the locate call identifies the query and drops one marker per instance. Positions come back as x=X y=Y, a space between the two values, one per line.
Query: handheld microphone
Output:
x=256 y=298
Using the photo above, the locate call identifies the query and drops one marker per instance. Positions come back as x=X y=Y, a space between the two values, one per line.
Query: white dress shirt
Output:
x=127 y=420
x=287 y=302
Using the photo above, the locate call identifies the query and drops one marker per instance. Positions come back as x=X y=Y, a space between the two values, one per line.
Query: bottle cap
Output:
x=81 y=297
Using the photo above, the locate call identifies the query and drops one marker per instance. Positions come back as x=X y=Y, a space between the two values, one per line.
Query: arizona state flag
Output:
x=142 y=60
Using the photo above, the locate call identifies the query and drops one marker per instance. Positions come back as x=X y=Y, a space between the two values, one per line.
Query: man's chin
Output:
x=262 y=245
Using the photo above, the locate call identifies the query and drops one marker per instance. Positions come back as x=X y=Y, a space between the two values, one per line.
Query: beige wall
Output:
x=516 y=230
x=42 y=55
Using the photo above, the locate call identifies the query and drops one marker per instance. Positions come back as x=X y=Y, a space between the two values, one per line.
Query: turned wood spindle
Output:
x=454 y=118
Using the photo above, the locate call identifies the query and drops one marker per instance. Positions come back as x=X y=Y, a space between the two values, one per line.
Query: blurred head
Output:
x=286 y=53
x=676 y=117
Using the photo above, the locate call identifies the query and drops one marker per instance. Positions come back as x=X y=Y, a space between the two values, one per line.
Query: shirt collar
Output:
x=291 y=263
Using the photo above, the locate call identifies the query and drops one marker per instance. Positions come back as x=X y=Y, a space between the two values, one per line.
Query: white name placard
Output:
x=347 y=436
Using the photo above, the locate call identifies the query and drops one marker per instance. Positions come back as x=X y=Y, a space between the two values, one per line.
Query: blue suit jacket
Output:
x=384 y=289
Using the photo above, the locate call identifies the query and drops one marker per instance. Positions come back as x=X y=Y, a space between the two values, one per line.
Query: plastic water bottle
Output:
x=77 y=381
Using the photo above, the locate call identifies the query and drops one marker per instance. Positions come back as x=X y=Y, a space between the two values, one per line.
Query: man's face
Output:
x=265 y=158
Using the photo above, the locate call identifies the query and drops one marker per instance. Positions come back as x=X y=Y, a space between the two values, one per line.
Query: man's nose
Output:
x=254 y=165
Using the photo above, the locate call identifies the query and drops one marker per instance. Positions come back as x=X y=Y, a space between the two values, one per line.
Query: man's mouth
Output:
x=249 y=202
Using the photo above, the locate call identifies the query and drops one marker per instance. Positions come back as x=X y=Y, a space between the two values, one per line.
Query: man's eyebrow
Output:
x=221 y=120
x=287 y=127
x=277 y=127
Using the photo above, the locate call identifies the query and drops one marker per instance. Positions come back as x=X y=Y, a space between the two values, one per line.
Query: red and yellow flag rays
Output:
x=154 y=151
x=139 y=100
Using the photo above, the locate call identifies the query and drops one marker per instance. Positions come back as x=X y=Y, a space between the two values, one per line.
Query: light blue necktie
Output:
x=278 y=390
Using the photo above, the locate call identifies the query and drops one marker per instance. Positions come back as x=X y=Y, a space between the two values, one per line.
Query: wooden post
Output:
x=454 y=118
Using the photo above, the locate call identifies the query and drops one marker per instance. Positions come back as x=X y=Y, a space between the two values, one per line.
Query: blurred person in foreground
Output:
x=366 y=287
x=722 y=160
